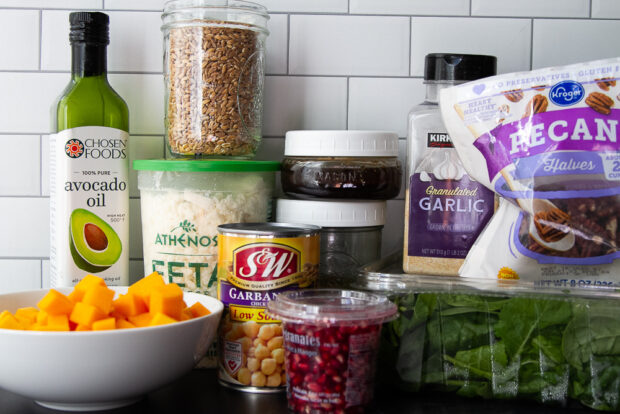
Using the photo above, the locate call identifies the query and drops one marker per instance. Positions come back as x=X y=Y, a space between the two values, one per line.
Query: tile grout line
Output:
x=288 y=44
x=41 y=165
x=40 y=39
x=532 y=44
x=410 y=44
x=346 y=115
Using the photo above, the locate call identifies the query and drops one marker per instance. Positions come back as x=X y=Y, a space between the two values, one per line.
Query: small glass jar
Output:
x=341 y=164
x=351 y=234
x=214 y=74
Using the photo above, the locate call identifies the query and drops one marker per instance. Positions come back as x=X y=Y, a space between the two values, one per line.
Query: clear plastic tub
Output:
x=182 y=204
x=500 y=339
x=331 y=340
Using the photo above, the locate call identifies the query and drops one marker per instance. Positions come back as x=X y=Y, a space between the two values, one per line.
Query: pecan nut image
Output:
x=514 y=95
x=605 y=83
x=600 y=102
x=536 y=105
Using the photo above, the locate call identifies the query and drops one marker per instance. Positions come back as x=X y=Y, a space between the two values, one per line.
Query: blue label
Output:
x=566 y=93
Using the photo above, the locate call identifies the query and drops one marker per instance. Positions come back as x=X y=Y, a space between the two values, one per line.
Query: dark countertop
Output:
x=199 y=392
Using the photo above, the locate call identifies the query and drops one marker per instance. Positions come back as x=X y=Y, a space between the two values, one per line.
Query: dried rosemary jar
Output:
x=214 y=75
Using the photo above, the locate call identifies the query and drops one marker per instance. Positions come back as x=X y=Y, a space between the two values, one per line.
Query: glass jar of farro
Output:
x=214 y=70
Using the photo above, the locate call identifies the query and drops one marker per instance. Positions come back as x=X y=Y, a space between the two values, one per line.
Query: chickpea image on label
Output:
x=262 y=346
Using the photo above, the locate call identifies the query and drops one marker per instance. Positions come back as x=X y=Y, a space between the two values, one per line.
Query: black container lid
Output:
x=89 y=27
x=458 y=67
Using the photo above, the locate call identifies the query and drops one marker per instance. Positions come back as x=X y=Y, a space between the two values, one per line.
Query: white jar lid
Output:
x=341 y=143
x=331 y=213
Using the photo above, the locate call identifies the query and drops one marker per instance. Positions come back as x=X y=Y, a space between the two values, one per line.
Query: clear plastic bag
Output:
x=545 y=140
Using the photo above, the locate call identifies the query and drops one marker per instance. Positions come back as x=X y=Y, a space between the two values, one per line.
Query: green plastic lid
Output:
x=205 y=165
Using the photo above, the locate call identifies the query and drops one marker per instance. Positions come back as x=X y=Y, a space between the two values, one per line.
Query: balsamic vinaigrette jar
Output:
x=341 y=164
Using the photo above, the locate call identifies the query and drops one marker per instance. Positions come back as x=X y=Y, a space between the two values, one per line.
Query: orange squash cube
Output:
x=104 y=324
x=27 y=316
x=141 y=320
x=84 y=285
x=198 y=310
x=81 y=328
x=124 y=324
x=100 y=297
x=168 y=300
x=8 y=321
x=186 y=315
x=55 y=303
x=42 y=318
x=128 y=305
x=58 y=323
x=161 y=319
x=143 y=287
x=84 y=314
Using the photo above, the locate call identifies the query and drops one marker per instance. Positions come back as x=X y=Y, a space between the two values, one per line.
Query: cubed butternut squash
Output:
x=141 y=320
x=91 y=306
x=55 y=303
x=124 y=324
x=197 y=310
x=27 y=316
x=167 y=299
x=84 y=285
x=99 y=296
x=161 y=319
x=129 y=305
x=9 y=321
x=104 y=324
x=58 y=323
x=84 y=314
x=143 y=287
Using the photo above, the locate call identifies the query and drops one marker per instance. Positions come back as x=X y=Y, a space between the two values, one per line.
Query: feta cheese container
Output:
x=182 y=204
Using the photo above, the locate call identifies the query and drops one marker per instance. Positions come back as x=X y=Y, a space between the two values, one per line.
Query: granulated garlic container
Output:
x=445 y=208
x=214 y=74
x=256 y=262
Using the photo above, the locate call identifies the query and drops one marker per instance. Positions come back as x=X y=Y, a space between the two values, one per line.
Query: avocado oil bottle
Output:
x=89 y=165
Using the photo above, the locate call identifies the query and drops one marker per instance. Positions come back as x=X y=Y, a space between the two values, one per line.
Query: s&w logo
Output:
x=265 y=261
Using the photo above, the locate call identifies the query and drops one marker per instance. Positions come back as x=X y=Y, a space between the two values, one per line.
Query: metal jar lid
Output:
x=268 y=229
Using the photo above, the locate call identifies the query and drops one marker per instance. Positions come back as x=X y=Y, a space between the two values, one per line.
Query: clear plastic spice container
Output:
x=331 y=339
x=214 y=75
x=341 y=164
x=351 y=233
x=445 y=208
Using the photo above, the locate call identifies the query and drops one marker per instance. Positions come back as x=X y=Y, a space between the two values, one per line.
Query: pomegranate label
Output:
x=251 y=272
x=330 y=369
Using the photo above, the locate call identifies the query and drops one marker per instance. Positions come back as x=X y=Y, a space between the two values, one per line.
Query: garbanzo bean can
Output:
x=256 y=261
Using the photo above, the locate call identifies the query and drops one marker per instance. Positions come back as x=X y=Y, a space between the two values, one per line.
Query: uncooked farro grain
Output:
x=214 y=90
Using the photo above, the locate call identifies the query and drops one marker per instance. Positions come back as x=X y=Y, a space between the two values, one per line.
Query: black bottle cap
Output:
x=458 y=67
x=89 y=27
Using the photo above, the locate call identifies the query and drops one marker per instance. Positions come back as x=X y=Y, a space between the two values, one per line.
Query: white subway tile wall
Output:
x=331 y=64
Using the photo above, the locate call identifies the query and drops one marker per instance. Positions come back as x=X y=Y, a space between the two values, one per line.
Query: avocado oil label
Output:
x=89 y=205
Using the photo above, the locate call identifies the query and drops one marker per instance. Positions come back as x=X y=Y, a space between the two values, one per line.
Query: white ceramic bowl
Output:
x=85 y=371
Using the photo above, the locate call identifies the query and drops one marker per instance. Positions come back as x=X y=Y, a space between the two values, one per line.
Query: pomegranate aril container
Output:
x=331 y=341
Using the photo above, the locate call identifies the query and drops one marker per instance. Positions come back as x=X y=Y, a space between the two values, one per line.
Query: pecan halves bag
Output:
x=547 y=142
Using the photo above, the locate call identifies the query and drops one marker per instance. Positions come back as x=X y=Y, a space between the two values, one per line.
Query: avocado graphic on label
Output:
x=94 y=244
